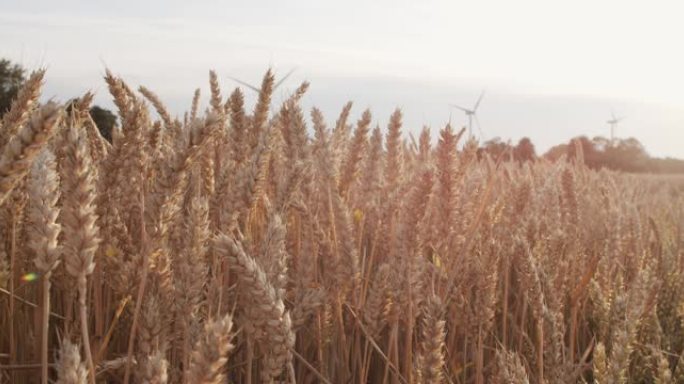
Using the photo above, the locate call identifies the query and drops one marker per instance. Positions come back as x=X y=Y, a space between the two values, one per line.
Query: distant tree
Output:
x=601 y=143
x=496 y=148
x=524 y=151
x=11 y=79
x=556 y=152
x=105 y=121
x=592 y=156
x=627 y=155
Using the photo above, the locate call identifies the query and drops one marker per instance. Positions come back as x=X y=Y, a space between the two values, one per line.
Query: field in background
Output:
x=233 y=246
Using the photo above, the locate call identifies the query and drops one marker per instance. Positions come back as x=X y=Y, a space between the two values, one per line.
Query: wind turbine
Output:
x=256 y=89
x=613 y=124
x=472 y=114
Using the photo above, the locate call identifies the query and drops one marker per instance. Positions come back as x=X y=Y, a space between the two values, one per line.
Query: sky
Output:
x=552 y=70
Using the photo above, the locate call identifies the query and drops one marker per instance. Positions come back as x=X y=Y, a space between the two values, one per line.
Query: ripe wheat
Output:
x=238 y=246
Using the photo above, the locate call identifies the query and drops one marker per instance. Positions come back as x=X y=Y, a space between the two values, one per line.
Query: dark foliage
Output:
x=105 y=121
x=11 y=79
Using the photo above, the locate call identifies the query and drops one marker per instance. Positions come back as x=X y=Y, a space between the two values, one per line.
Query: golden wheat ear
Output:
x=81 y=232
x=510 y=368
x=43 y=192
x=211 y=353
x=266 y=320
x=21 y=107
x=23 y=148
x=431 y=356
x=70 y=368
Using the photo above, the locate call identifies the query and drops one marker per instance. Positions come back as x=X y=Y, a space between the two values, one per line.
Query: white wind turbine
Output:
x=256 y=89
x=613 y=124
x=471 y=113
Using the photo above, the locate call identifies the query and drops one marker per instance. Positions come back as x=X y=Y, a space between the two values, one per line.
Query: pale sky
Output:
x=552 y=69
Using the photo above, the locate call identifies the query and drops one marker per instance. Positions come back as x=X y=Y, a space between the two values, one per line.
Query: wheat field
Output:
x=260 y=245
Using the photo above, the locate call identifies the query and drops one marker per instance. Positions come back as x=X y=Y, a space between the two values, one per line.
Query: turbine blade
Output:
x=281 y=81
x=459 y=107
x=250 y=86
x=477 y=104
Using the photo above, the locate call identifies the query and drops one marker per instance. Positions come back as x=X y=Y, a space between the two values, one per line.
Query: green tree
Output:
x=11 y=79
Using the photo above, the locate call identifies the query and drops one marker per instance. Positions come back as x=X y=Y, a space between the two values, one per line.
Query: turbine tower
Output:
x=471 y=113
x=613 y=124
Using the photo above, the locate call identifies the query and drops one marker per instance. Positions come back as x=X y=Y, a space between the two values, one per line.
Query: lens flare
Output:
x=32 y=276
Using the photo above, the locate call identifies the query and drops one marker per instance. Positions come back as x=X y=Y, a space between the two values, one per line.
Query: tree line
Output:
x=627 y=155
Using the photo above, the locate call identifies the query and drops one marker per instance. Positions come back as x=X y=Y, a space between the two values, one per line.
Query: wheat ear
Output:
x=21 y=106
x=70 y=369
x=268 y=321
x=22 y=149
x=158 y=106
x=43 y=192
x=211 y=353
x=432 y=353
x=155 y=370
x=81 y=237
x=510 y=368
